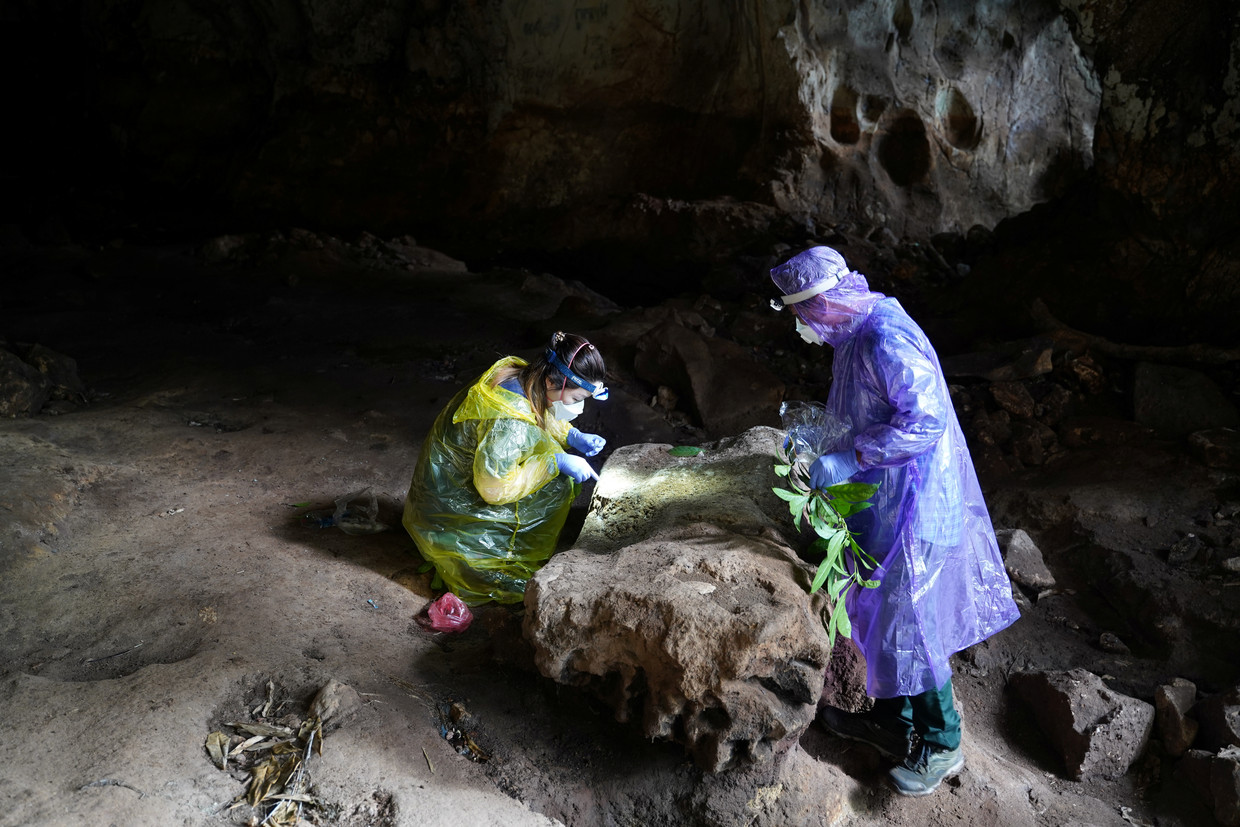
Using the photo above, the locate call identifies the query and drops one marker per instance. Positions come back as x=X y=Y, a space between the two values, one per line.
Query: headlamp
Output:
x=598 y=391
x=792 y=298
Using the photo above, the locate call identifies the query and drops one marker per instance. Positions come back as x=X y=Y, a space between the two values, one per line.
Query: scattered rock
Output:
x=992 y=428
x=1194 y=770
x=1219 y=720
x=1177 y=401
x=61 y=372
x=1023 y=559
x=23 y=388
x=1016 y=360
x=1225 y=787
x=1097 y=732
x=1111 y=642
x=1054 y=405
x=1172 y=703
x=1014 y=398
x=1184 y=550
x=1217 y=447
x=1088 y=373
x=1032 y=442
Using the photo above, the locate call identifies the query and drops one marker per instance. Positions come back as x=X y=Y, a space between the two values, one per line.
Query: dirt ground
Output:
x=157 y=573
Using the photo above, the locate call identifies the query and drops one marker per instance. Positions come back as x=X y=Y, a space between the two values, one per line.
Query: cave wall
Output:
x=1162 y=248
x=700 y=128
x=544 y=119
x=935 y=117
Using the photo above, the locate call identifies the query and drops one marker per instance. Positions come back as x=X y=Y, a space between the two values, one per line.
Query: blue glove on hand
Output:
x=830 y=469
x=575 y=467
x=588 y=444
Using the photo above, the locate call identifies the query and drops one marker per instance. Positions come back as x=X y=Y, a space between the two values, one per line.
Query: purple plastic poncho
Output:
x=943 y=585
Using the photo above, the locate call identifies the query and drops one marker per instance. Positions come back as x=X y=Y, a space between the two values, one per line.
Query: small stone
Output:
x=1023 y=559
x=1184 y=551
x=335 y=703
x=1110 y=642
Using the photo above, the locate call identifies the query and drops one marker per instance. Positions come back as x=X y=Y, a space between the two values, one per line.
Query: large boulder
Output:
x=23 y=388
x=727 y=388
x=684 y=606
x=1098 y=732
x=1176 y=402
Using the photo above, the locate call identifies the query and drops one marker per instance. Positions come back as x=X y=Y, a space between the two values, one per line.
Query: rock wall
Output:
x=555 y=123
x=929 y=117
x=683 y=131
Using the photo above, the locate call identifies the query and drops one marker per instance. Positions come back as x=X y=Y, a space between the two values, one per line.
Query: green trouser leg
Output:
x=931 y=714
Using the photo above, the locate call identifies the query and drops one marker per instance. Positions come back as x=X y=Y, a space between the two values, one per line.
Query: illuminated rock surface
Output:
x=682 y=605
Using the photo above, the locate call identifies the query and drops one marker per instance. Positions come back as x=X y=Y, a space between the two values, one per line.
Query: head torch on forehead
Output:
x=597 y=391
x=792 y=298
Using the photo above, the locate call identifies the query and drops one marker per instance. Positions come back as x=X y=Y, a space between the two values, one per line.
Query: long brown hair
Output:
x=570 y=349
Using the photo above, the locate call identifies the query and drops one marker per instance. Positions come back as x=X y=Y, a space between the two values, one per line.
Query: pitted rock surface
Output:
x=683 y=605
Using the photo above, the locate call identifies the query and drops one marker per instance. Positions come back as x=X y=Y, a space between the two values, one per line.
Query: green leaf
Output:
x=825 y=512
x=685 y=451
x=853 y=492
x=833 y=624
x=860 y=555
x=796 y=504
x=845 y=624
x=425 y=567
x=785 y=494
x=820 y=577
x=837 y=587
x=835 y=546
x=847 y=509
x=826 y=532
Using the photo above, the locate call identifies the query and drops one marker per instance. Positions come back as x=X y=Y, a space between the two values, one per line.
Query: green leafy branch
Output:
x=825 y=511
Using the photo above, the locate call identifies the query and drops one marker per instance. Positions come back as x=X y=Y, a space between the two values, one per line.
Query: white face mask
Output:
x=568 y=412
x=808 y=334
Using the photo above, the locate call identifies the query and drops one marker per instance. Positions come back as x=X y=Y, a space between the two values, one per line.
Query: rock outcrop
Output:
x=683 y=606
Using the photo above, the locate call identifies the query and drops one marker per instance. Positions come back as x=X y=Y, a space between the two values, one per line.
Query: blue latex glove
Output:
x=830 y=469
x=575 y=467
x=588 y=444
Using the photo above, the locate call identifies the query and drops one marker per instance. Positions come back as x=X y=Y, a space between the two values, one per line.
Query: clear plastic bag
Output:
x=811 y=430
x=358 y=513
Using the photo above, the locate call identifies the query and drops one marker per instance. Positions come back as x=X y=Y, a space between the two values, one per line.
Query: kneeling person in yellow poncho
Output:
x=493 y=485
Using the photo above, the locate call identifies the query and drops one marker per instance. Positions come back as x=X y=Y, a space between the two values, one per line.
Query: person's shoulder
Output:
x=890 y=329
x=890 y=317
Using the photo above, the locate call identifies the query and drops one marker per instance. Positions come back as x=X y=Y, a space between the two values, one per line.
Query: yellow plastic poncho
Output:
x=487 y=503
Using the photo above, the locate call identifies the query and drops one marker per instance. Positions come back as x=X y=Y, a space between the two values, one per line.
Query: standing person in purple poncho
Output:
x=943 y=586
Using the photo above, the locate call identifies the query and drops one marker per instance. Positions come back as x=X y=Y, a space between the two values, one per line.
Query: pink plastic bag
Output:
x=447 y=614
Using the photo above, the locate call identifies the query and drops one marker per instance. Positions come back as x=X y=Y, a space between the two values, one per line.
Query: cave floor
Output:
x=158 y=573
